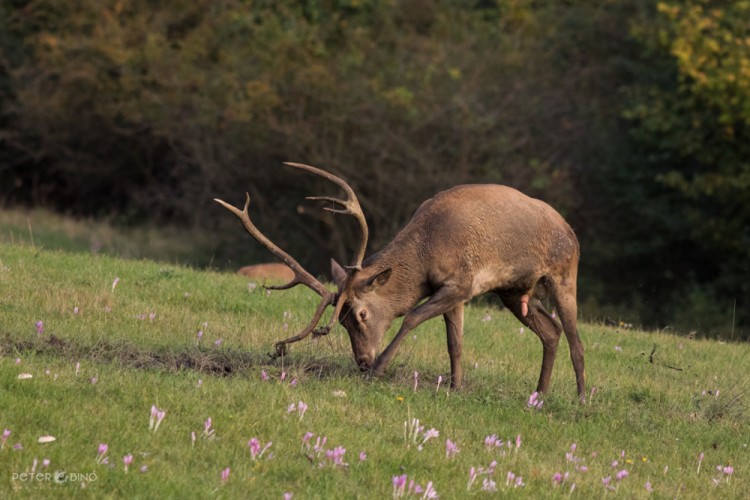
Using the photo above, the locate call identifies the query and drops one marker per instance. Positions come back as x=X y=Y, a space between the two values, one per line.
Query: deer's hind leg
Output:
x=543 y=325
x=564 y=297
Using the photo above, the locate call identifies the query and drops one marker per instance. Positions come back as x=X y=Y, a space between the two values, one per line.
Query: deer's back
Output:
x=490 y=234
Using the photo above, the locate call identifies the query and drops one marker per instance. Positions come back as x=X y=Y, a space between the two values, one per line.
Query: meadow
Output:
x=154 y=381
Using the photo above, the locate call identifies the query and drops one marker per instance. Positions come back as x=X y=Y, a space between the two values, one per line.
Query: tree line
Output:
x=629 y=116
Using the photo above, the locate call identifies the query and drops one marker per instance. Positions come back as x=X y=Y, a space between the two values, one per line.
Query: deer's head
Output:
x=358 y=305
x=366 y=312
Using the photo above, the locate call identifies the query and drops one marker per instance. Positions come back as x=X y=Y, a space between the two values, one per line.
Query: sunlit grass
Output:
x=43 y=229
x=105 y=355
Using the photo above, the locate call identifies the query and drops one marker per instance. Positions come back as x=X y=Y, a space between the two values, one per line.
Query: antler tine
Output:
x=281 y=345
x=301 y=276
x=351 y=207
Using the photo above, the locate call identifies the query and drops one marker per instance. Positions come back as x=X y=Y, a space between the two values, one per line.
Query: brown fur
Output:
x=269 y=272
x=461 y=243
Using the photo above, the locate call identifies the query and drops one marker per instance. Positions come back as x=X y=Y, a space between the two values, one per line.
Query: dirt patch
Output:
x=218 y=362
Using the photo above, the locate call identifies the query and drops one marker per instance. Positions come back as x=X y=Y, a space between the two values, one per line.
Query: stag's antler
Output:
x=351 y=207
x=301 y=276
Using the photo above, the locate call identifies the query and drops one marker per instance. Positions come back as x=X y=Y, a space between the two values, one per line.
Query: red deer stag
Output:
x=461 y=243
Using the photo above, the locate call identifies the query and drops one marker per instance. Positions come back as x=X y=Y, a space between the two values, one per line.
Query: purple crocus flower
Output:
x=256 y=451
x=336 y=456
x=301 y=408
x=451 y=448
x=39 y=327
x=254 y=446
x=208 y=431
x=101 y=453
x=430 y=492
x=127 y=460
x=489 y=485
x=534 y=401
x=6 y=435
x=429 y=434
x=492 y=441
x=157 y=416
x=225 y=475
x=399 y=485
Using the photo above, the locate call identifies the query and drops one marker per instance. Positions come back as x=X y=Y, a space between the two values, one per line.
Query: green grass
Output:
x=44 y=229
x=652 y=399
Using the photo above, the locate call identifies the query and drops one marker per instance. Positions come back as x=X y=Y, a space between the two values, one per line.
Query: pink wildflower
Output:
x=127 y=460
x=451 y=448
x=534 y=401
x=101 y=453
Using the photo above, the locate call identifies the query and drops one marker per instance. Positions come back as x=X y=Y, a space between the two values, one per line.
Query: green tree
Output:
x=691 y=124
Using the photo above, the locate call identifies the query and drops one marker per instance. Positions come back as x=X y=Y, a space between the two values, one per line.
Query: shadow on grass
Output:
x=219 y=362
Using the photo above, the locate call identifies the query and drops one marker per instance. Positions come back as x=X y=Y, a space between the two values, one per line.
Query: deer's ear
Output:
x=377 y=281
x=338 y=273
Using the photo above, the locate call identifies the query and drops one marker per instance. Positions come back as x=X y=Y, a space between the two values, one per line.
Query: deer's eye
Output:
x=363 y=315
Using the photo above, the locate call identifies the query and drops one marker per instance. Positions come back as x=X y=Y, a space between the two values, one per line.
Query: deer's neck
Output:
x=408 y=283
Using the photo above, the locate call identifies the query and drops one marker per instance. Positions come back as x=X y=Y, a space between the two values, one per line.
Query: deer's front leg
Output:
x=444 y=300
x=454 y=326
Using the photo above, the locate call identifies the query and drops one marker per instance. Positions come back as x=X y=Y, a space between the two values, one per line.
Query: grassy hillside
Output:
x=104 y=340
x=44 y=229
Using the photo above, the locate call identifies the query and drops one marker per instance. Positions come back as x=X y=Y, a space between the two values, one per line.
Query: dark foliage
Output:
x=629 y=116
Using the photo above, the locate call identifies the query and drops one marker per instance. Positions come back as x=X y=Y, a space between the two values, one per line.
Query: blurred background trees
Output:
x=629 y=116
